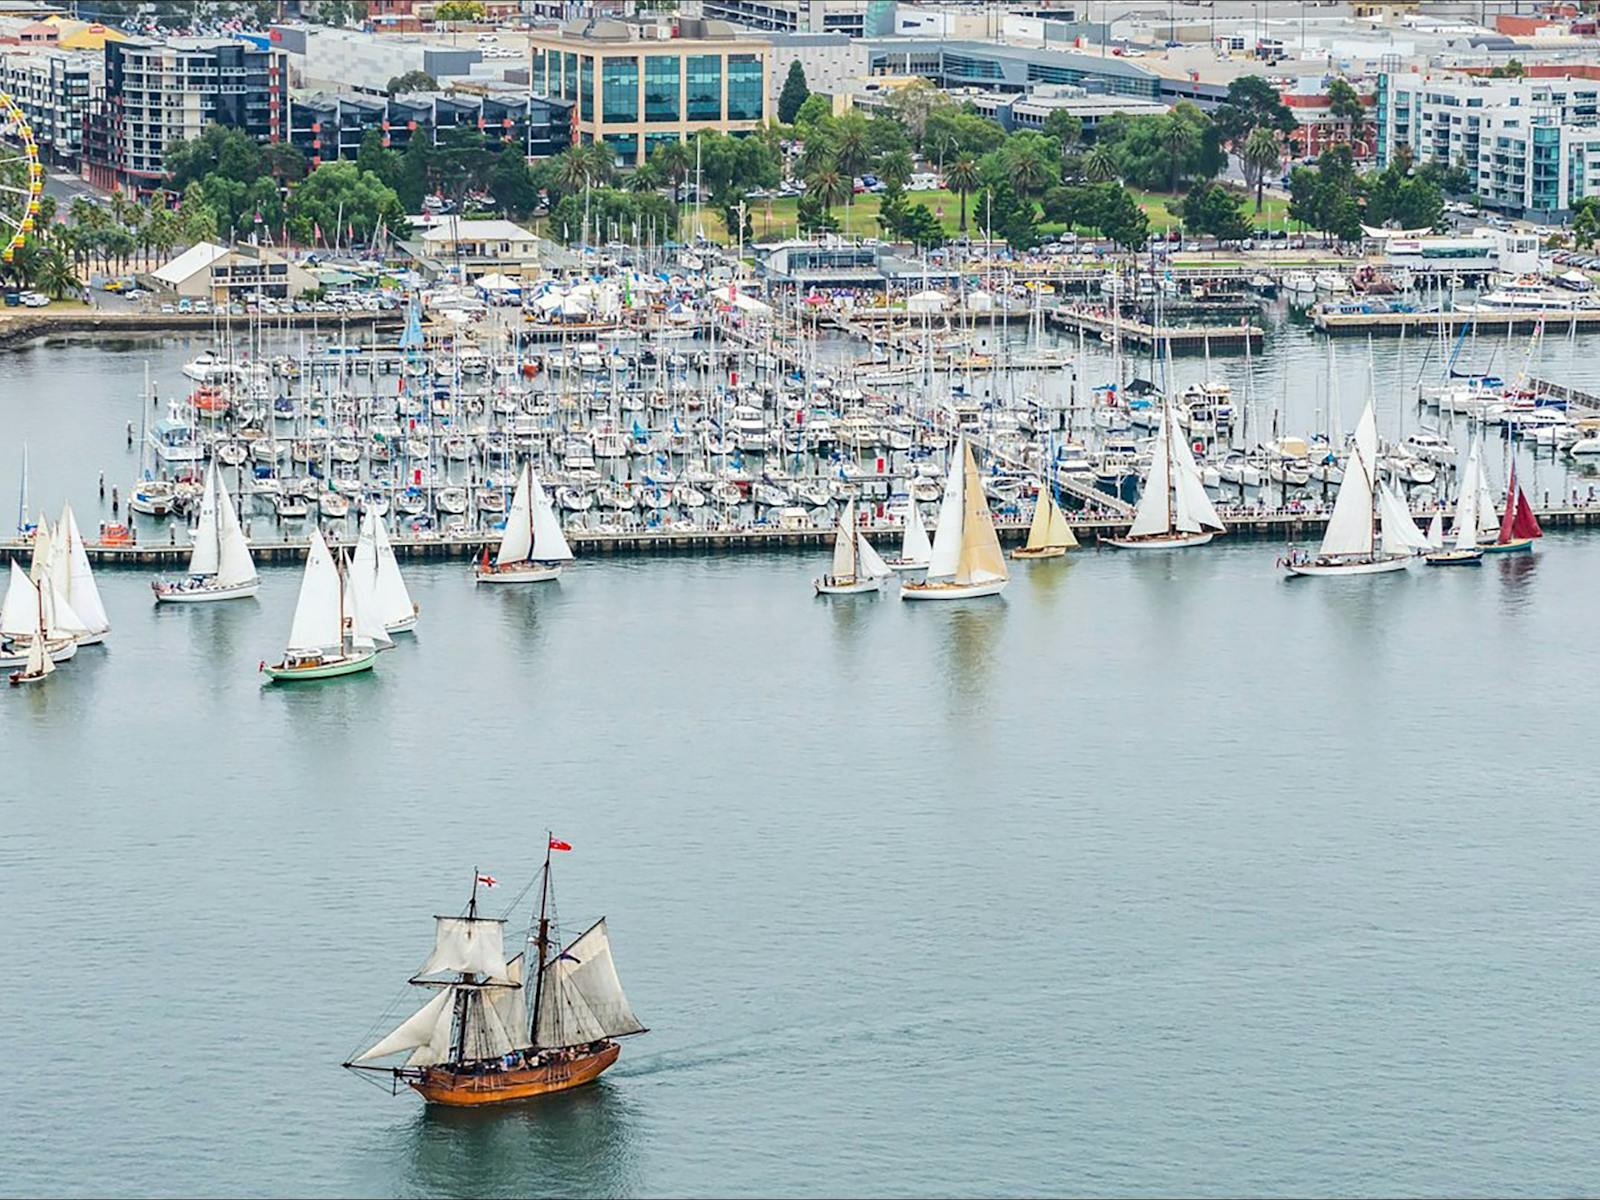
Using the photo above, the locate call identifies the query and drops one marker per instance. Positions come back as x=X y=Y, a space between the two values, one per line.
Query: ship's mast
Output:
x=463 y=995
x=542 y=942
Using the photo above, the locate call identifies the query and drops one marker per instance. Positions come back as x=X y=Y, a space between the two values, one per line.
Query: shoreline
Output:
x=28 y=325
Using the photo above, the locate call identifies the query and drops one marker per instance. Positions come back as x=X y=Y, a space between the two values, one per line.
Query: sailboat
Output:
x=966 y=561
x=332 y=633
x=532 y=547
x=1350 y=544
x=38 y=665
x=1466 y=551
x=857 y=567
x=220 y=565
x=1174 y=511
x=915 y=549
x=374 y=570
x=1519 y=527
x=479 y=1041
x=20 y=625
x=1049 y=536
x=81 y=591
x=49 y=572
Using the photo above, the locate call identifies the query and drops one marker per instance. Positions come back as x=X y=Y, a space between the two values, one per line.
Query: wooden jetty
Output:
x=1181 y=339
x=1280 y=525
x=1554 y=320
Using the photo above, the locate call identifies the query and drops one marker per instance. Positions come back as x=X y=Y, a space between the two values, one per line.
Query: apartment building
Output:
x=158 y=92
x=638 y=86
x=853 y=18
x=329 y=126
x=1531 y=144
x=53 y=88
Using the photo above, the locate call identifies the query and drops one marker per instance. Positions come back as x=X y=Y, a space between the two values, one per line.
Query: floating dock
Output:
x=1192 y=339
x=1554 y=320
x=1288 y=527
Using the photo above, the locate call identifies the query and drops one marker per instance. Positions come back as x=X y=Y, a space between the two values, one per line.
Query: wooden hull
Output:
x=1160 y=541
x=20 y=677
x=950 y=591
x=1514 y=546
x=1023 y=553
x=519 y=573
x=1455 y=558
x=853 y=587
x=509 y=1087
x=330 y=669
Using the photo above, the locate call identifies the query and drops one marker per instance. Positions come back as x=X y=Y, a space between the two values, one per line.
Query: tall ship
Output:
x=479 y=1040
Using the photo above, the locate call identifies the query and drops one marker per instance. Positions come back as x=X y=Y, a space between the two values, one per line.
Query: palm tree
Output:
x=1099 y=165
x=1261 y=156
x=602 y=162
x=56 y=275
x=895 y=167
x=851 y=153
x=829 y=186
x=645 y=178
x=572 y=168
x=1029 y=170
x=962 y=178
x=1180 y=140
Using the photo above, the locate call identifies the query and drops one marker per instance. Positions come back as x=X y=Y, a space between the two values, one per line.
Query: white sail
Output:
x=517 y=540
x=39 y=565
x=82 y=592
x=582 y=998
x=1488 y=513
x=1154 y=514
x=234 y=562
x=360 y=608
x=870 y=564
x=468 y=945
x=206 y=553
x=1436 y=533
x=417 y=1030
x=1193 y=505
x=393 y=599
x=437 y=1048
x=1465 y=528
x=39 y=662
x=549 y=541
x=946 y=552
x=1349 y=529
x=511 y=1005
x=483 y=1034
x=1400 y=532
x=19 y=615
x=914 y=546
x=317 y=613
x=844 y=543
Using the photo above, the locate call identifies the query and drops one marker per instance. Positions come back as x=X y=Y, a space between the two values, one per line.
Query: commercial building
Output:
x=158 y=92
x=833 y=63
x=325 y=126
x=53 y=88
x=1531 y=144
x=1317 y=128
x=347 y=60
x=470 y=250
x=638 y=86
x=853 y=18
x=221 y=273
x=1013 y=68
x=1030 y=110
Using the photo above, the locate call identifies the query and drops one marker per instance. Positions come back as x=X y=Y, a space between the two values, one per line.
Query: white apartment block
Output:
x=1532 y=144
x=53 y=87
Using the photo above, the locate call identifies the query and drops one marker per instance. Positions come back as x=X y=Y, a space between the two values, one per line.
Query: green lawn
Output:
x=1158 y=207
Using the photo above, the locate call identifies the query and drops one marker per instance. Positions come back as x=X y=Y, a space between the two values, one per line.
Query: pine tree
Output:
x=794 y=94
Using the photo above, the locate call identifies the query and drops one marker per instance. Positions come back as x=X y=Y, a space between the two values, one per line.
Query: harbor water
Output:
x=1158 y=874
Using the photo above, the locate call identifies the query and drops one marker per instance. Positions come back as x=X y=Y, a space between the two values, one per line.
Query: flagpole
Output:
x=543 y=941
x=472 y=905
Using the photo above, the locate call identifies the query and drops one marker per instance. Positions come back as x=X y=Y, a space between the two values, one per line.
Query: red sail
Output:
x=1519 y=521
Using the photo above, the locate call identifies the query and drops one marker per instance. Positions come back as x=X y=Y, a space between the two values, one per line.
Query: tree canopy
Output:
x=794 y=94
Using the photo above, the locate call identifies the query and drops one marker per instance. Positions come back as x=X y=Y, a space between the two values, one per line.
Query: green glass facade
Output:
x=569 y=77
x=619 y=98
x=704 y=99
x=586 y=89
x=746 y=88
x=625 y=146
x=661 y=82
x=654 y=141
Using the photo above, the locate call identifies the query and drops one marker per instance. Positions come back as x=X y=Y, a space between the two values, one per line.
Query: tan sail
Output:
x=980 y=560
x=1049 y=530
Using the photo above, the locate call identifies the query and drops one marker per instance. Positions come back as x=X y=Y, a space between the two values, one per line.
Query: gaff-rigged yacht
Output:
x=333 y=632
x=220 y=564
x=1174 y=511
x=533 y=547
x=1350 y=545
x=374 y=570
x=1049 y=535
x=479 y=1041
x=857 y=567
x=966 y=562
x=1519 y=527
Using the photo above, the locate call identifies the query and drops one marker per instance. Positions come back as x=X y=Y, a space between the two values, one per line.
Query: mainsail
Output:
x=1400 y=532
x=393 y=599
x=234 y=562
x=980 y=560
x=206 y=553
x=82 y=592
x=581 y=998
x=1154 y=514
x=318 y=613
x=517 y=539
x=1049 y=527
x=869 y=563
x=946 y=554
x=1350 y=528
x=1519 y=521
x=914 y=546
x=549 y=541
x=844 y=543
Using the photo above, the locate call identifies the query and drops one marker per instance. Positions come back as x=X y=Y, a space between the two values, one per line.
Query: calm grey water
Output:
x=1158 y=875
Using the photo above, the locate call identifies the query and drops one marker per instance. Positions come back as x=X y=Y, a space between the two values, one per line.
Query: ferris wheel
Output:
x=21 y=177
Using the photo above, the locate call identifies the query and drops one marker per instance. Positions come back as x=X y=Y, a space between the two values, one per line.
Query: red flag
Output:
x=488 y=880
x=558 y=844
x=316 y=231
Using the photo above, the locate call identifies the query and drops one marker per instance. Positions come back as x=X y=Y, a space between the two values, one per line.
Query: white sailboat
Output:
x=1466 y=550
x=1174 y=511
x=1049 y=535
x=966 y=561
x=38 y=665
x=21 y=616
x=533 y=546
x=80 y=589
x=1350 y=544
x=857 y=567
x=915 y=549
x=50 y=573
x=1436 y=533
x=220 y=564
x=375 y=570
x=332 y=633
